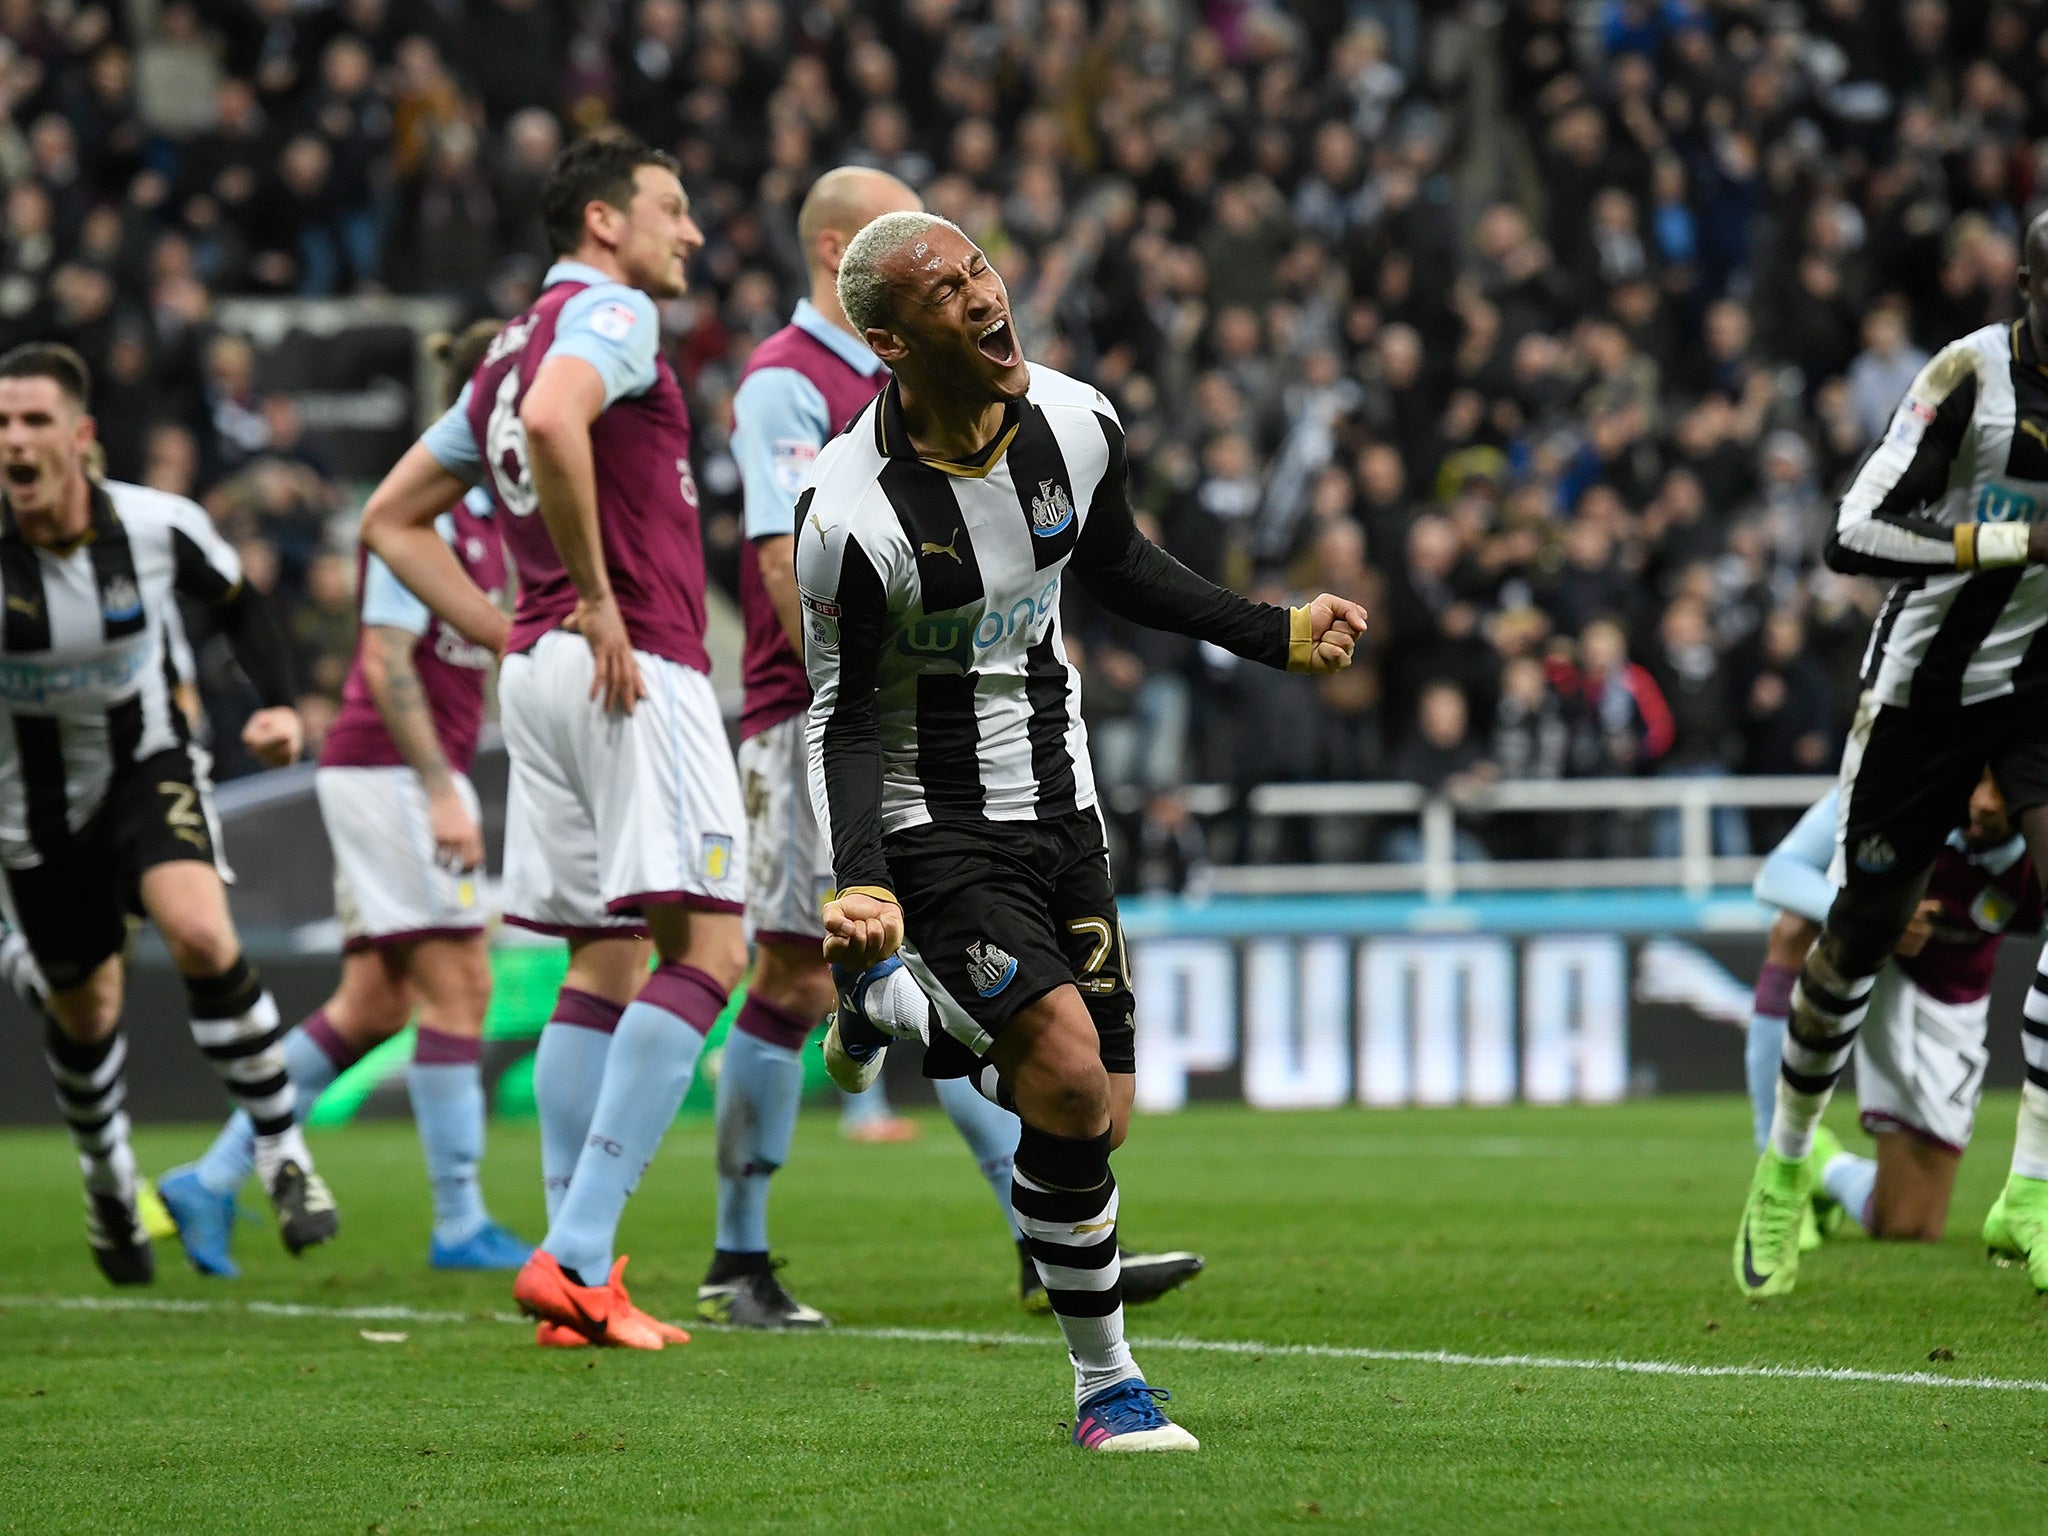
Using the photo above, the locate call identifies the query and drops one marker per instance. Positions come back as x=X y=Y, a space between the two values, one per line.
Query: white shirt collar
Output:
x=574 y=272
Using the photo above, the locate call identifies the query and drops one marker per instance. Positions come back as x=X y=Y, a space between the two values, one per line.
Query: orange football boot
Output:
x=603 y=1314
x=555 y=1336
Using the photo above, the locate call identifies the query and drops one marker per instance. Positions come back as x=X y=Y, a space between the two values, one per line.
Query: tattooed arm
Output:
x=395 y=689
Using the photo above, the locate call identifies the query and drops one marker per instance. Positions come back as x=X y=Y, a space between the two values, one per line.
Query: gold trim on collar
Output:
x=976 y=471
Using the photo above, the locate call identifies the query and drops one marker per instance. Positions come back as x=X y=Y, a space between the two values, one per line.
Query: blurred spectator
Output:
x=1172 y=854
x=1443 y=758
x=1623 y=724
x=324 y=628
x=1692 y=678
x=1882 y=371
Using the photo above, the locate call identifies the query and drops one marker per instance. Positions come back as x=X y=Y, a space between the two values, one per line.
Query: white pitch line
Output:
x=259 y=1308
x=1039 y=1341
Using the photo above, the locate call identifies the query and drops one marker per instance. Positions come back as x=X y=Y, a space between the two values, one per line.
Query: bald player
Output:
x=801 y=386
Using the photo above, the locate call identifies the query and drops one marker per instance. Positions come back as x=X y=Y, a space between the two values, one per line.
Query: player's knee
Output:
x=1862 y=931
x=712 y=942
x=1067 y=1079
x=88 y=1014
x=201 y=943
x=1790 y=938
x=797 y=982
x=723 y=959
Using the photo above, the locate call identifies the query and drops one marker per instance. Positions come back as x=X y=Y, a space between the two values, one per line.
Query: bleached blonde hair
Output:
x=864 y=290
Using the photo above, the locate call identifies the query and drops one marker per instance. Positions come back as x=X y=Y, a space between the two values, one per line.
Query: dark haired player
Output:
x=105 y=804
x=623 y=815
x=1954 y=503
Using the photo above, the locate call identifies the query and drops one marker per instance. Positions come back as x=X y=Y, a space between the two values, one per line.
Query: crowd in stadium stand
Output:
x=1547 y=327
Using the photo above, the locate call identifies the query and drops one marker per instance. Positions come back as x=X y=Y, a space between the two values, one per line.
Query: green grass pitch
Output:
x=1559 y=1235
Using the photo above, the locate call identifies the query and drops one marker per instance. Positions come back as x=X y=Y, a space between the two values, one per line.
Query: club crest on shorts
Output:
x=1051 y=511
x=717 y=855
x=990 y=968
x=1875 y=854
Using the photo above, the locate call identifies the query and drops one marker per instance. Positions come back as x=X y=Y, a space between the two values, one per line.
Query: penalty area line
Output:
x=972 y=1339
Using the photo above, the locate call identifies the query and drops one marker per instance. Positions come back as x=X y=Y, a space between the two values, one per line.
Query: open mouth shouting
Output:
x=21 y=475
x=998 y=342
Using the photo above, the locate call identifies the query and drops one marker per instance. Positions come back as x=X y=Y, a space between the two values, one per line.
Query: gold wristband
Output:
x=1966 y=546
x=879 y=892
x=1301 y=641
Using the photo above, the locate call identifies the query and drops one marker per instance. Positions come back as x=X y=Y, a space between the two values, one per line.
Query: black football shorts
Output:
x=1000 y=913
x=73 y=907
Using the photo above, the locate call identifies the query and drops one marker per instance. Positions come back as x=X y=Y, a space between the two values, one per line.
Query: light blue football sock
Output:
x=646 y=1073
x=1761 y=1058
x=990 y=1132
x=1851 y=1181
x=759 y=1086
x=314 y=1056
x=447 y=1087
x=568 y=1068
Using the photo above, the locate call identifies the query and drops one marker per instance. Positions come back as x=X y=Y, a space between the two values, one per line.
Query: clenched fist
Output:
x=274 y=736
x=861 y=929
x=1335 y=625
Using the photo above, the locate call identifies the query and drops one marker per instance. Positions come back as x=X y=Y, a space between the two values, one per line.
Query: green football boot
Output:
x=1824 y=1213
x=1998 y=1243
x=1767 y=1243
x=2016 y=1228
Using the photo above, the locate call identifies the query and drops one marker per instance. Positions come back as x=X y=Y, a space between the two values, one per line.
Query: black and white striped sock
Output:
x=235 y=1022
x=90 y=1093
x=1827 y=1010
x=2030 y=1141
x=1065 y=1200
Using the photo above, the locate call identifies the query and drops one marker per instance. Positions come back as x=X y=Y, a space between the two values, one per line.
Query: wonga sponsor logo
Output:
x=955 y=637
x=28 y=682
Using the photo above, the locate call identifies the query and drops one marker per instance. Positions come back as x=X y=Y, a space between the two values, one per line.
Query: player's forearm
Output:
x=394 y=685
x=1792 y=885
x=777 y=557
x=1879 y=545
x=421 y=559
x=850 y=755
x=565 y=477
x=398 y=526
x=1146 y=585
x=259 y=645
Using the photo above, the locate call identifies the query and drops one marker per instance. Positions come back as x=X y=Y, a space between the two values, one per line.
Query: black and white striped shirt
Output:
x=1944 y=502
x=87 y=678
x=941 y=686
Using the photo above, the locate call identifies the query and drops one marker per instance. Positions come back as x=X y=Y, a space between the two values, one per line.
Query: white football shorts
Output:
x=388 y=886
x=607 y=813
x=789 y=871
x=1920 y=1062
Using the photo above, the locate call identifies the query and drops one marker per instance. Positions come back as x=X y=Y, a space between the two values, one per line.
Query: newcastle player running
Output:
x=1952 y=503
x=105 y=807
x=949 y=764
